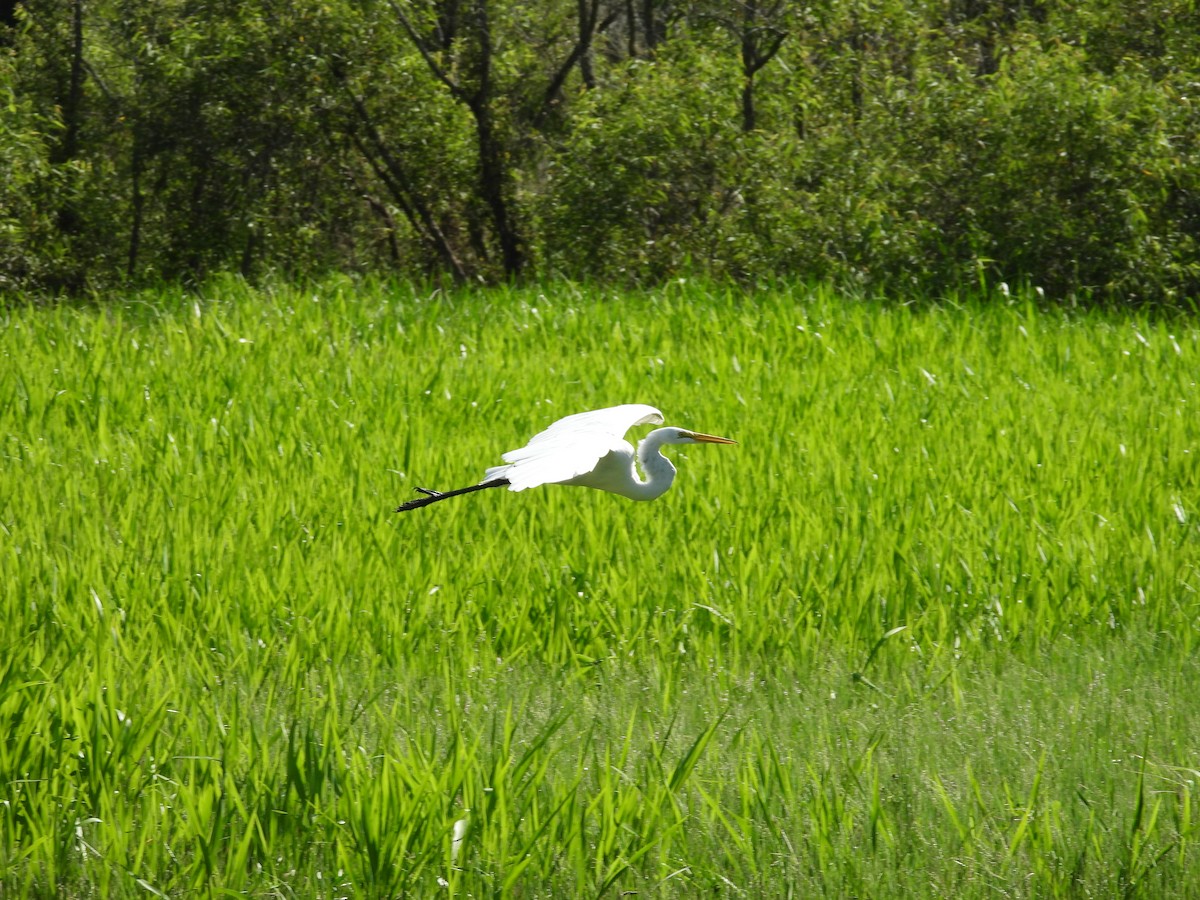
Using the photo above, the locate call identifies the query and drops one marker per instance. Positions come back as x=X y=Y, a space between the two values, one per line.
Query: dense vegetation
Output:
x=929 y=629
x=883 y=143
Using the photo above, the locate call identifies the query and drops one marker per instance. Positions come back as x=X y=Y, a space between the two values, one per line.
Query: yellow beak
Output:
x=708 y=438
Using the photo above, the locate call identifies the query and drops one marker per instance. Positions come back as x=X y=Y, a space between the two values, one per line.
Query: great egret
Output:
x=588 y=449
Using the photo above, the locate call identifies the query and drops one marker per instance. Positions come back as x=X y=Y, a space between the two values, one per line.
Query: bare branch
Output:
x=438 y=72
x=581 y=47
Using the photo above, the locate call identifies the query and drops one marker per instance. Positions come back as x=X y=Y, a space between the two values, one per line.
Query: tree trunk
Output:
x=748 y=116
x=587 y=25
x=631 y=19
x=649 y=26
x=856 y=77
x=493 y=176
x=492 y=183
x=8 y=17
x=72 y=110
x=137 y=201
x=749 y=62
x=73 y=101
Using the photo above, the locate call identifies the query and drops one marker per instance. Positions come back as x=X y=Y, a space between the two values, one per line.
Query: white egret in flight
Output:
x=588 y=449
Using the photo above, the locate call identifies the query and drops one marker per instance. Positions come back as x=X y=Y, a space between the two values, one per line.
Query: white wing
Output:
x=572 y=446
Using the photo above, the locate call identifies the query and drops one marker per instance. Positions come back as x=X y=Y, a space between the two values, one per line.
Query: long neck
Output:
x=658 y=471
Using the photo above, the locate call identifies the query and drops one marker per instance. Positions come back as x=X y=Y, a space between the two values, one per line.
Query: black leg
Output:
x=435 y=496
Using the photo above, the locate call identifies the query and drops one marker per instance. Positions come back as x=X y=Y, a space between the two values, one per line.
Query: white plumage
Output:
x=589 y=449
x=572 y=446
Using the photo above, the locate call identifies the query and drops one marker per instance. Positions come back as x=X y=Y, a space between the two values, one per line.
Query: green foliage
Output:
x=645 y=184
x=222 y=139
x=31 y=190
x=930 y=627
x=1055 y=170
x=903 y=147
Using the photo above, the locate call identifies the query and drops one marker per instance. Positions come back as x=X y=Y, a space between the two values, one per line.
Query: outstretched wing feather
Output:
x=571 y=446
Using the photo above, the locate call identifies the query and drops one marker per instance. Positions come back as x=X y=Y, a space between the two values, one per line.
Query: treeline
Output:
x=914 y=145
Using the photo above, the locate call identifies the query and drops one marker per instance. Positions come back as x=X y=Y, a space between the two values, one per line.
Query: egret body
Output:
x=589 y=450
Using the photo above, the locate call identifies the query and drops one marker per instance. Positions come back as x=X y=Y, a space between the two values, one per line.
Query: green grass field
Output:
x=930 y=629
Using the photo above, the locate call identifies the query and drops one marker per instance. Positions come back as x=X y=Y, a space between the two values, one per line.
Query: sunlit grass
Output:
x=931 y=626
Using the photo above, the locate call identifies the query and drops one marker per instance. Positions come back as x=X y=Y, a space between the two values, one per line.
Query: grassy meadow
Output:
x=931 y=628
